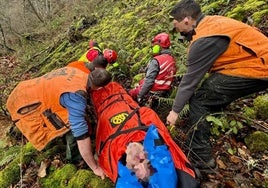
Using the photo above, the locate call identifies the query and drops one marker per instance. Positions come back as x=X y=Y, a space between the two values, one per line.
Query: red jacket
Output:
x=166 y=74
x=81 y=65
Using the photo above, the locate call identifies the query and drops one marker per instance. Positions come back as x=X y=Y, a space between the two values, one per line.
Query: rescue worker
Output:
x=236 y=57
x=99 y=62
x=160 y=72
x=49 y=106
x=122 y=123
x=88 y=61
x=93 y=51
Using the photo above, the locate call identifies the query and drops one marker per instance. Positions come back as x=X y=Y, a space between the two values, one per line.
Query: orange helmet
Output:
x=110 y=55
x=162 y=39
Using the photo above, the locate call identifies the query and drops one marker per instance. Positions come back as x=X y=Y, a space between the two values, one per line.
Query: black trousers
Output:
x=215 y=93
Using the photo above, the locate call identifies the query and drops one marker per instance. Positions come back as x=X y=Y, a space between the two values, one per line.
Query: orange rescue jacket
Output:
x=237 y=60
x=81 y=65
x=34 y=105
x=116 y=108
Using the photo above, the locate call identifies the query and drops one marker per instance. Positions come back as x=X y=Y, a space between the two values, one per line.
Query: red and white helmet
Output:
x=162 y=39
x=110 y=55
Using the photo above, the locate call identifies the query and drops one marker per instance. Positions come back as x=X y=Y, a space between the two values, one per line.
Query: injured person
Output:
x=133 y=146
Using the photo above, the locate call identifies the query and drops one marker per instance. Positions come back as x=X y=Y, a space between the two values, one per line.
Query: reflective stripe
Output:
x=161 y=82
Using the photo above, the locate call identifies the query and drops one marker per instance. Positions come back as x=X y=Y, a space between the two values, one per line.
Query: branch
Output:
x=35 y=11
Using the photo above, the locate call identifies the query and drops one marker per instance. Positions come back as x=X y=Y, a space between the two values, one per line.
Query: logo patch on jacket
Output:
x=119 y=118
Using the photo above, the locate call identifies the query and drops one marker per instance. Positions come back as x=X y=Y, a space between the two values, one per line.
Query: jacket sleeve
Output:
x=151 y=73
x=76 y=106
x=202 y=54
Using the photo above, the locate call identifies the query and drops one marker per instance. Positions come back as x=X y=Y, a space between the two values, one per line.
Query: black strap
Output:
x=116 y=100
x=158 y=142
x=118 y=132
x=54 y=119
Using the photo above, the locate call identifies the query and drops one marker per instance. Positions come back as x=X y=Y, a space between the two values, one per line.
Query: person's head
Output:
x=99 y=78
x=100 y=62
x=185 y=14
x=92 y=44
x=159 y=42
x=110 y=55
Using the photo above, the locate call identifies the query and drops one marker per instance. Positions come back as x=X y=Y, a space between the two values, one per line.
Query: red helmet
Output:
x=162 y=39
x=110 y=55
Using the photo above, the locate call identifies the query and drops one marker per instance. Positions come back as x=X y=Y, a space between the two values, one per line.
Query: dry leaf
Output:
x=258 y=176
x=42 y=170
x=221 y=164
x=265 y=157
x=242 y=153
x=230 y=184
x=235 y=159
x=56 y=163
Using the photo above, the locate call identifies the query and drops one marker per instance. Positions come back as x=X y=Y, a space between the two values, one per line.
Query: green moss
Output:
x=254 y=4
x=68 y=176
x=60 y=177
x=98 y=182
x=249 y=112
x=137 y=78
x=213 y=7
x=81 y=179
x=258 y=141
x=11 y=173
x=261 y=106
x=11 y=151
x=237 y=13
x=50 y=152
x=259 y=15
x=256 y=8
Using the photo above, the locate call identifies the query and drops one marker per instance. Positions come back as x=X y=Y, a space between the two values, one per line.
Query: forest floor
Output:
x=237 y=167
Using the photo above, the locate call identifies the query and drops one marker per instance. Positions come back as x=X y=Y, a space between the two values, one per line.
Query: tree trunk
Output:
x=35 y=11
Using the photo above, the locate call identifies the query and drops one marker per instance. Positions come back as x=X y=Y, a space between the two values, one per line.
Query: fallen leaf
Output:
x=210 y=184
x=258 y=176
x=42 y=170
x=265 y=157
x=235 y=159
x=56 y=163
x=221 y=164
x=242 y=153
x=230 y=184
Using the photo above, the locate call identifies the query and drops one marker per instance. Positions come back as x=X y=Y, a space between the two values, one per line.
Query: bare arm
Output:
x=85 y=150
x=76 y=106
